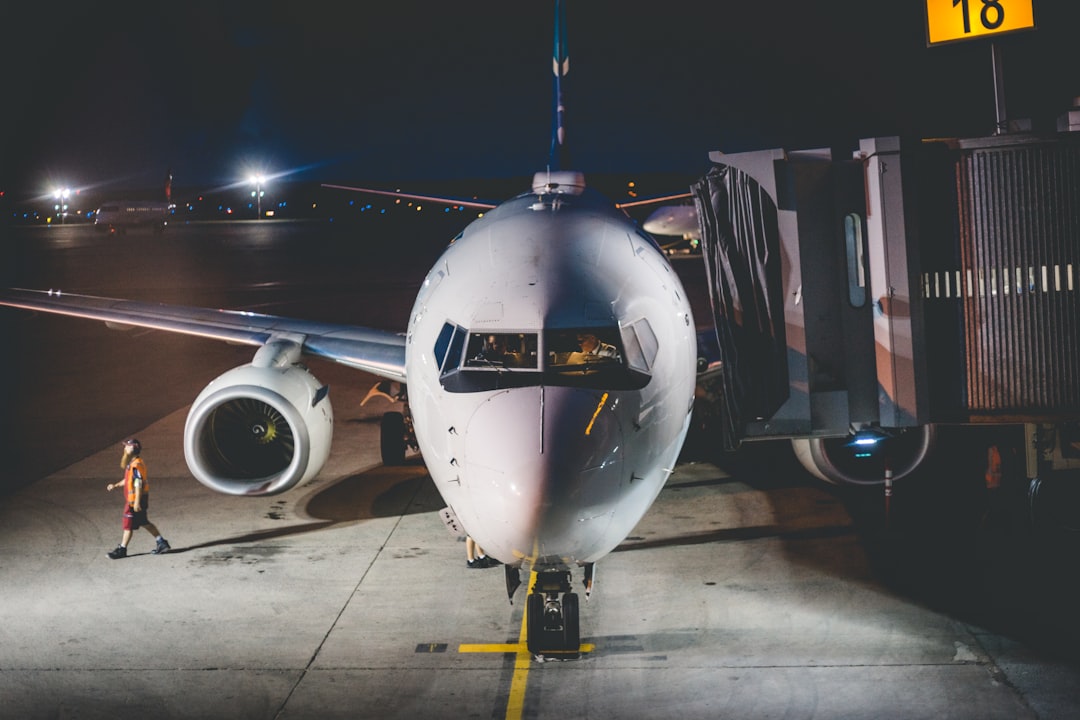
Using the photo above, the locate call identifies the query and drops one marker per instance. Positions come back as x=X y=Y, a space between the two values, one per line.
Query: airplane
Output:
x=117 y=216
x=546 y=450
x=676 y=220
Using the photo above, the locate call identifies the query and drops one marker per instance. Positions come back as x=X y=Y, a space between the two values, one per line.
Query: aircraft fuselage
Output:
x=548 y=453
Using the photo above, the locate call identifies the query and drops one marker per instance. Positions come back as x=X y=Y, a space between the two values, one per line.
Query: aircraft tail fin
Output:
x=168 y=185
x=559 y=159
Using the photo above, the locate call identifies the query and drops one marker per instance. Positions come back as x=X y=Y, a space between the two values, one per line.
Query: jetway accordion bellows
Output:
x=738 y=221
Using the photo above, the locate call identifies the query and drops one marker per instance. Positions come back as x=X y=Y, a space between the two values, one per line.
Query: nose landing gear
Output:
x=553 y=627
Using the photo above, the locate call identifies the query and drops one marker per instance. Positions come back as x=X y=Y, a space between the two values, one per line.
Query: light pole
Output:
x=257 y=194
x=61 y=195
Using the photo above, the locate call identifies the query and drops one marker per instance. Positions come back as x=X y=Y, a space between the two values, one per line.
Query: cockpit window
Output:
x=593 y=357
x=448 y=347
x=641 y=345
x=502 y=350
x=589 y=347
x=442 y=344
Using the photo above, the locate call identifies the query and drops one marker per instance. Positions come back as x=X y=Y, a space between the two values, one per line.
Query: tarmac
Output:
x=748 y=590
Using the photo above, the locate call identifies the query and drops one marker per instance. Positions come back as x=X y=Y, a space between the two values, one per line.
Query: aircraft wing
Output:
x=380 y=352
x=652 y=200
x=479 y=204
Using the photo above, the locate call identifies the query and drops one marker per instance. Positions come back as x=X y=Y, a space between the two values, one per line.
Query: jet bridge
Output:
x=905 y=285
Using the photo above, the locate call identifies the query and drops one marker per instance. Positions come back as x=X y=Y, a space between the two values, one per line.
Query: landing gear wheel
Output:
x=534 y=622
x=571 y=625
x=552 y=625
x=392 y=438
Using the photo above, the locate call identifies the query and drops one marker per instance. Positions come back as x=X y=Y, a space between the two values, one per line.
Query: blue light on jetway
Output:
x=866 y=441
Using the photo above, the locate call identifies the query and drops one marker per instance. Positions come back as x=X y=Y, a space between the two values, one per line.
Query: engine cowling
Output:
x=841 y=461
x=259 y=430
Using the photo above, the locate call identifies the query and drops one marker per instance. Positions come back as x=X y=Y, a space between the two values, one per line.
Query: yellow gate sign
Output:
x=950 y=20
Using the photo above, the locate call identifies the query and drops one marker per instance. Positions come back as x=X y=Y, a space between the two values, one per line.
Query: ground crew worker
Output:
x=474 y=554
x=136 y=500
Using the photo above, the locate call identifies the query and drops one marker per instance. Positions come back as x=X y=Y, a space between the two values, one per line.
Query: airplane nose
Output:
x=547 y=464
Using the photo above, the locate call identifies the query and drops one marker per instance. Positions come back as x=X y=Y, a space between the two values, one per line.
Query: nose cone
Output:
x=545 y=468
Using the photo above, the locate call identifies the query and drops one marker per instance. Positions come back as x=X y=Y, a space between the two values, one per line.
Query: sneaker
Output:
x=475 y=564
x=162 y=547
x=119 y=552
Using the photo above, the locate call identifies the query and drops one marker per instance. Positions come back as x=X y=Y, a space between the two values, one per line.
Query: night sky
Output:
x=111 y=94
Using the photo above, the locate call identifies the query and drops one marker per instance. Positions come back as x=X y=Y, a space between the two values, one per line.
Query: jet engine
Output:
x=863 y=458
x=259 y=430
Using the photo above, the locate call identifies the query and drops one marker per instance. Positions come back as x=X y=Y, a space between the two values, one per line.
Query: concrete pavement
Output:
x=348 y=598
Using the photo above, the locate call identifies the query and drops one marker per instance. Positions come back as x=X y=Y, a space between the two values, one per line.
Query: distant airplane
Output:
x=117 y=216
x=680 y=221
x=548 y=369
x=676 y=220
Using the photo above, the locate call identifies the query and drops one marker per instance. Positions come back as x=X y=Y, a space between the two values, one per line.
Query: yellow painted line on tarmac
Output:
x=515 y=704
x=489 y=647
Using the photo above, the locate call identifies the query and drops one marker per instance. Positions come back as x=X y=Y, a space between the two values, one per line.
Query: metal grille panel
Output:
x=1019 y=277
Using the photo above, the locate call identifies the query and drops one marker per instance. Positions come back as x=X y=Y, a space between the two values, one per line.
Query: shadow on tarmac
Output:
x=941 y=541
x=378 y=492
x=382 y=491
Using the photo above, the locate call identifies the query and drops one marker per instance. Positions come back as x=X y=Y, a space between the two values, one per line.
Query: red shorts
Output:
x=134 y=520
